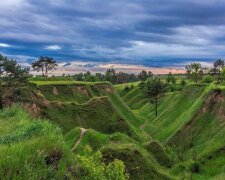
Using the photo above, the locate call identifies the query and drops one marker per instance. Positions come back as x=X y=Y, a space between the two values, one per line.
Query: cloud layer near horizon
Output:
x=158 y=33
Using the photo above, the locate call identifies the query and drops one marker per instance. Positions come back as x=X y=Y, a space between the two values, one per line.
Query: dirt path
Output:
x=82 y=132
x=144 y=125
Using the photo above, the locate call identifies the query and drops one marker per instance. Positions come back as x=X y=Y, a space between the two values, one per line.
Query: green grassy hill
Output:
x=31 y=148
x=175 y=109
x=140 y=164
x=204 y=135
x=190 y=122
x=185 y=141
x=36 y=149
x=91 y=105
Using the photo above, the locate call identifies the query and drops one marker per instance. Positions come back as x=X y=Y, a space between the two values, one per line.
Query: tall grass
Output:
x=26 y=144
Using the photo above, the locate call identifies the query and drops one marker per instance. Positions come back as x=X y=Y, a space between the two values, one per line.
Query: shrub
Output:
x=174 y=87
x=126 y=88
x=93 y=167
x=208 y=79
x=141 y=85
x=183 y=82
x=195 y=167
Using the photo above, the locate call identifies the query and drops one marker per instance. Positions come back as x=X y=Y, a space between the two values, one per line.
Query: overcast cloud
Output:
x=157 y=33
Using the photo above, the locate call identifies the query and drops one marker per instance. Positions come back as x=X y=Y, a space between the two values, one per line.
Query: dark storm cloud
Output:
x=151 y=32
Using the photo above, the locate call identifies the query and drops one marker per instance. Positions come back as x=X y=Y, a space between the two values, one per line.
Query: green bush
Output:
x=195 y=167
x=126 y=88
x=183 y=82
x=141 y=85
x=208 y=79
x=93 y=167
x=174 y=87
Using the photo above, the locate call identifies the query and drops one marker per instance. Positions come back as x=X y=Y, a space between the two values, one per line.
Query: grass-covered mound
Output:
x=79 y=92
x=94 y=105
x=36 y=149
x=95 y=139
x=185 y=140
x=31 y=149
x=140 y=164
x=97 y=114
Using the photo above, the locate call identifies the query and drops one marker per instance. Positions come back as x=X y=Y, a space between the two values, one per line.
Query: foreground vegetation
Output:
x=36 y=149
x=164 y=127
x=158 y=147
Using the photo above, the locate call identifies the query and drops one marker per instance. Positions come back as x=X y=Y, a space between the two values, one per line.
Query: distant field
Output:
x=52 y=78
x=61 y=81
x=122 y=86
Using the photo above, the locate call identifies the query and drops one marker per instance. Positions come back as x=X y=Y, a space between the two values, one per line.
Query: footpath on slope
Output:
x=144 y=125
x=82 y=132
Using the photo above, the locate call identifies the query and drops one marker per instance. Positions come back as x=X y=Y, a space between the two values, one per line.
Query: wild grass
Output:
x=184 y=119
x=120 y=123
x=139 y=164
x=26 y=144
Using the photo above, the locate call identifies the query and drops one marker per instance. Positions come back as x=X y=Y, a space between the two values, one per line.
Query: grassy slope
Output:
x=97 y=114
x=204 y=136
x=192 y=118
x=175 y=109
x=27 y=151
x=26 y=147
x=139 y=163
x=97 y=106
x=91 y=105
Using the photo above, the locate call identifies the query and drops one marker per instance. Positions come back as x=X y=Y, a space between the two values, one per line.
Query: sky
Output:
x=160 y=35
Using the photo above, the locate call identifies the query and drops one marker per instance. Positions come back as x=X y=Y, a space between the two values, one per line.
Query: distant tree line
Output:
x=114 y=77
x=46 y=64
x=194 y=71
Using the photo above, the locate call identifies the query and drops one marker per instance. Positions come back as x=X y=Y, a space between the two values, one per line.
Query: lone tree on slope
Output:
x=218 y=66
x=44 y=64
x=155 y=88
x=12 y=76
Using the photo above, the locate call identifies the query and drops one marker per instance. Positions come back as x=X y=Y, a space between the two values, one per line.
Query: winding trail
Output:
x=82 y=132
x=144 y=125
